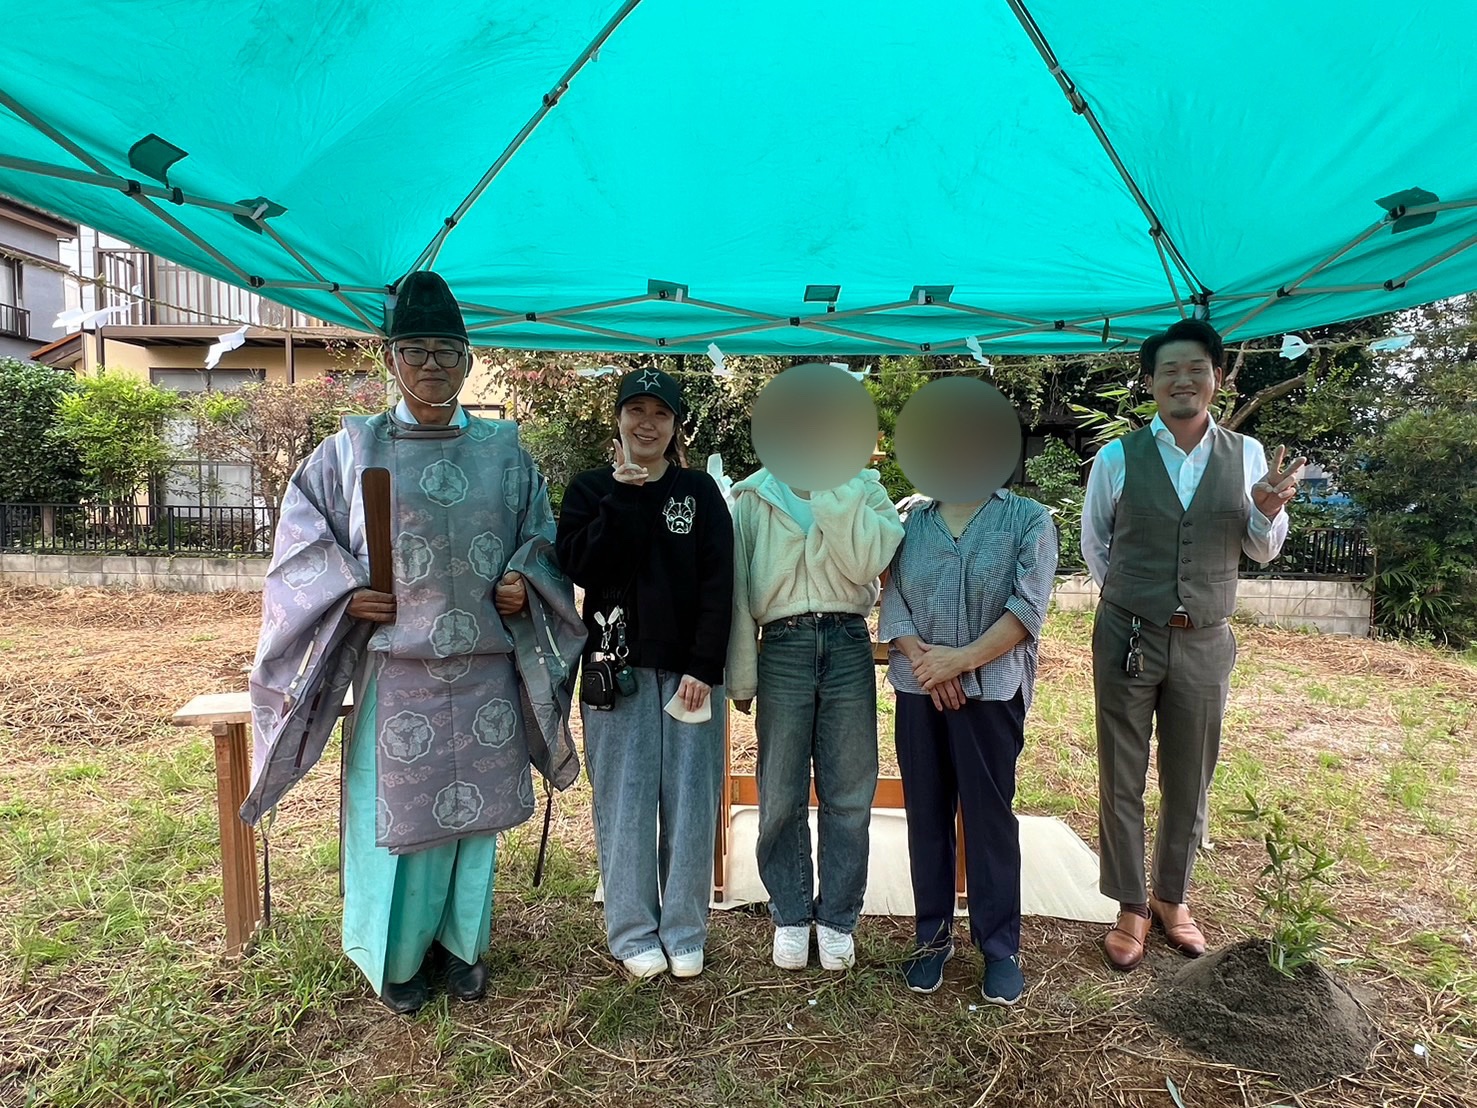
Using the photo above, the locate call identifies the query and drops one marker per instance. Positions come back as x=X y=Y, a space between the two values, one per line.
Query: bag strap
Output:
x=625 y=598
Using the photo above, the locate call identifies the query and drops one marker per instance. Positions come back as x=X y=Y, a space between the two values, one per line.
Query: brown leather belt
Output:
x=1181 y=619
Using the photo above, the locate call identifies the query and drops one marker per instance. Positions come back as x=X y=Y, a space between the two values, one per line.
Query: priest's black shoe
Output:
x=405 y=998
x=465 y=980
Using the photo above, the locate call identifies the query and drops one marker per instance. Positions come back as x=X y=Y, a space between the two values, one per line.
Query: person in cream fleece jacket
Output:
x=805 y=579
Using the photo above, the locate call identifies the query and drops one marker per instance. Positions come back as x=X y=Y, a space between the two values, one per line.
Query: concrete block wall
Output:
x=1330 y=607
x=181 y=574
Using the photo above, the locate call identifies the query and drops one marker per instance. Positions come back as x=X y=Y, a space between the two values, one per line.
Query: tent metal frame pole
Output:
x=1329 y=290
x=1289 y=288
x=950 y=305
x=768 y=321
x=1129 y=314
x=852 y=313
x=1045 y=324
x=427 y=257
x=148 y=205
x=1084 y=109
x=486 y=309
x=1446 y=255
x=126 y=185
x=313 y=272
x=503 y=318
x=1439 y=206
x=746 y=313
x=323 y=286
x=1174 y=290
x=896 y=344
x=590 y=329
x=742 y=329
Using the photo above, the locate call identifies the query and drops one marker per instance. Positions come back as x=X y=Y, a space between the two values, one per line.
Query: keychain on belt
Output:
x=1133 y=665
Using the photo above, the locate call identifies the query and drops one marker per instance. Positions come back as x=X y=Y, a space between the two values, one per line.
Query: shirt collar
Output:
x=402 y=413
x=1159 y=430
x=998 y=494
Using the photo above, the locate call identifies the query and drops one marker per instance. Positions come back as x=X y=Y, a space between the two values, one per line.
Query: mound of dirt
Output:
x=1232 y=1006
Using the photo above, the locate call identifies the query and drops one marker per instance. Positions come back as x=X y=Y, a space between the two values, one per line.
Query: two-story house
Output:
x=32 y=284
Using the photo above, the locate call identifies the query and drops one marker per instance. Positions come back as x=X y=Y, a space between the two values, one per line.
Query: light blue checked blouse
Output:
x=950 y=592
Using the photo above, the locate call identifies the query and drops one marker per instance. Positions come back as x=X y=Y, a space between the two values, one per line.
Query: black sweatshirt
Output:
x=671 y=542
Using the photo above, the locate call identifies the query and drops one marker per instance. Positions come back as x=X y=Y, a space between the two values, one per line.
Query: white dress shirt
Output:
x=1264 y=537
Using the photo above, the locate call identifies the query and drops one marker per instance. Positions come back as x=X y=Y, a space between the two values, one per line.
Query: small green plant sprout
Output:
x=1292 y=888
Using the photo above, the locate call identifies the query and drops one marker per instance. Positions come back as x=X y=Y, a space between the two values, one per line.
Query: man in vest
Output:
x=1169 y=509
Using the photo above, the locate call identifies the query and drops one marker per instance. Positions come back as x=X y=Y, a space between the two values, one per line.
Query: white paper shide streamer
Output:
x=233 y=340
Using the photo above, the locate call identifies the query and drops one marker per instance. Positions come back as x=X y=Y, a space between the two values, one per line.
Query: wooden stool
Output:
x=227 y=716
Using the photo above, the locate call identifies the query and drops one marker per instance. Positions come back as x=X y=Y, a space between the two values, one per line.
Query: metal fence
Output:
x=1319 y=554
x=121 y=529
x=1324 y=553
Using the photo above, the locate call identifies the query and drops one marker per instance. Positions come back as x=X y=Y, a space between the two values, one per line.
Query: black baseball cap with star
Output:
x=650 y=381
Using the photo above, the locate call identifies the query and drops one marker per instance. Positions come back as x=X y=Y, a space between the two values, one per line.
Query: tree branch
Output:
x=1272 y=392
x=1276 y=392
x=1230 y=381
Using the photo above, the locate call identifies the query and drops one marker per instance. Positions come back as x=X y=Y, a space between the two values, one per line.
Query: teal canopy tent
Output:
x=779 y=177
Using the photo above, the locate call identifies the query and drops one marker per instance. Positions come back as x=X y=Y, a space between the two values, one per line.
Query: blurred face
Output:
x=1184 y=382
x=814 y=427
x=647 y=426
x=958 y=439
x=432 y=368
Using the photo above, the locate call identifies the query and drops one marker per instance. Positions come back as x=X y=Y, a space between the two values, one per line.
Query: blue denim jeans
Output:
x=656 y=784
x=817 y=703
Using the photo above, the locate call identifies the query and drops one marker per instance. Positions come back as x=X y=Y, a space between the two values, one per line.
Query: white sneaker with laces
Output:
x=649 y=963
x=791 y=947
x=837 y=948
x=686 y=965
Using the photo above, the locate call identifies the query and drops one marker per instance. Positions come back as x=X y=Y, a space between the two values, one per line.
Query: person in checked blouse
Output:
x=963 y=609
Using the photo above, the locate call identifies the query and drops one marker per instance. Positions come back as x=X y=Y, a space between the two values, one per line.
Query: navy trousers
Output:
x=965 y=757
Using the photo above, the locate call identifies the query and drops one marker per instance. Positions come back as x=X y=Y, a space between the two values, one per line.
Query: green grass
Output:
x=113 y=991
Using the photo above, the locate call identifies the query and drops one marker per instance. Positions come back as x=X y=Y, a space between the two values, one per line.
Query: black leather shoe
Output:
x=406 y=998
x=466 y=980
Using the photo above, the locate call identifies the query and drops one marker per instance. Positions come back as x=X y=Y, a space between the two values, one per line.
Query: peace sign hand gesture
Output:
x=1280 y=485
x=627 y=473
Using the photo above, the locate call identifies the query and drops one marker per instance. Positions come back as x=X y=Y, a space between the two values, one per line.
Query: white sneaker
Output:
x=686 y=965
x=650 y=963
x=792 y=947
x=837 y=948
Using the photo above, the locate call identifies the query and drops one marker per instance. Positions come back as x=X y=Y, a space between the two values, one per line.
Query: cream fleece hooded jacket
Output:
x=781 y=571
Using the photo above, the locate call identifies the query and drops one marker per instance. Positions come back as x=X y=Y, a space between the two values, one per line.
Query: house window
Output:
x=195 y=481
x=13 y=316
x=206 y=380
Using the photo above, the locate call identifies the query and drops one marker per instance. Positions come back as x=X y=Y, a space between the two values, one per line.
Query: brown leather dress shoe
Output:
x=1180 y=929
x=1124 y=943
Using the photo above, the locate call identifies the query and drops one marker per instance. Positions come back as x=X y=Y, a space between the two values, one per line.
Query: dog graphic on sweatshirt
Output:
x=679 y=517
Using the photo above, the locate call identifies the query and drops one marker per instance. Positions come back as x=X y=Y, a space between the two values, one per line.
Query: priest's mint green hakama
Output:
x=396 y=905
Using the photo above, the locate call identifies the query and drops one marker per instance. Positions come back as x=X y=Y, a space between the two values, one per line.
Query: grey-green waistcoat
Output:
x=1163 y=556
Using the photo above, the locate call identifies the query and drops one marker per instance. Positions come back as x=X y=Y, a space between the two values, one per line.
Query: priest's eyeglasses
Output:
x=416 y=356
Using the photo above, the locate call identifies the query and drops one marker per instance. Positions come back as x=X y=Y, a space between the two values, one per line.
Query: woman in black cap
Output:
x=652 y=544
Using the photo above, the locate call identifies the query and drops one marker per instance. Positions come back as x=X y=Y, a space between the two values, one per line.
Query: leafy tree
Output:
x=273 y=426
x=1415 y=477
x=895 y=380
x=35 y=465
x=116 y=424
x=1056 y=473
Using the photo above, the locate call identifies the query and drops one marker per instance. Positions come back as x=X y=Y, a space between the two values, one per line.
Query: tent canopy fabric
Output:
x=772 y=177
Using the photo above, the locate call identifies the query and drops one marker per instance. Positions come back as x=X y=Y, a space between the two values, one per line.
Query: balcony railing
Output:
x=15 y=321
x=185 y=297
